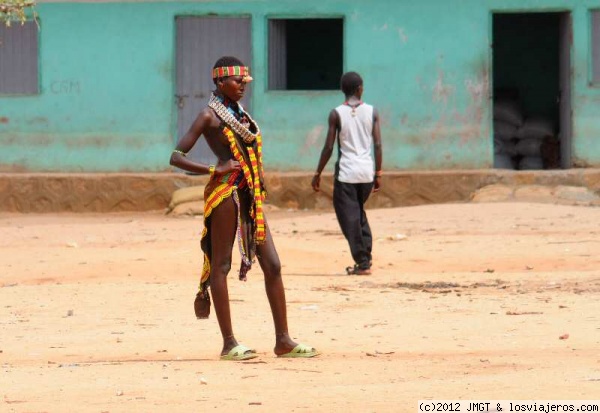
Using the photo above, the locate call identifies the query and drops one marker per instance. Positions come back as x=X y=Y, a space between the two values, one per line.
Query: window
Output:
x=19 y=59
x=305 y=54
x=596 y=46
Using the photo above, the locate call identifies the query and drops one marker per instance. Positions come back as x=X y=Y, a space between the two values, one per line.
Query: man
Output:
x=233 y=209
x=356 y=126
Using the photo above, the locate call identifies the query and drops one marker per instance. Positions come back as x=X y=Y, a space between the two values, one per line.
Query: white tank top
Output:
x=355 y=164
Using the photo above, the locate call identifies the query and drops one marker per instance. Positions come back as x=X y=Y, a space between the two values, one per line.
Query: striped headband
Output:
x=225 y=71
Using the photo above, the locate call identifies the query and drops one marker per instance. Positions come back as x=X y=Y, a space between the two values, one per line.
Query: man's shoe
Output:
x=356 y=270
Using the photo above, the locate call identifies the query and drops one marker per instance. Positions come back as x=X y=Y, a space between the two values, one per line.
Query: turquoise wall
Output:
x=107 y=84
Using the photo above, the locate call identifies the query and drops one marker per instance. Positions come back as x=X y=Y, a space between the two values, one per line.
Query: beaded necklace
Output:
x=354 y=106
x=233 y=107
x=227 y=115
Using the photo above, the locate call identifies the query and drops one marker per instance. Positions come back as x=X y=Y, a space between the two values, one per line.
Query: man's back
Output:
x=356 y=143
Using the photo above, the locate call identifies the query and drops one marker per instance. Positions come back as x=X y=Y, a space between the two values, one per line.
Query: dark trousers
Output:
x=349 y=201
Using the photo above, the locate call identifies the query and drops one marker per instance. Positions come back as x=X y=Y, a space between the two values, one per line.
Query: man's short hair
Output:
x=350 y=82
x=226 y=61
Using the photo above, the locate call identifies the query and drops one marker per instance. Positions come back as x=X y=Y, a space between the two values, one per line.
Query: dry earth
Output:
x=469 y=301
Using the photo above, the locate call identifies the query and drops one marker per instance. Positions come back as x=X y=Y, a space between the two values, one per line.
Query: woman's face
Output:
x=233 y=87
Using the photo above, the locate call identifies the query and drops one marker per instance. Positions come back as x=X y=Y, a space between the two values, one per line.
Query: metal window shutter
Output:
x=19 y=59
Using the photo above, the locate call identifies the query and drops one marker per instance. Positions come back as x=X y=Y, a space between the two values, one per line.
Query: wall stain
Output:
x=4 y=119
x=583 y=100
x=105 y=141
x=440 y=93
x=165 y=70
x=478 y=89
x=38 y=120
x=441 y=90
x=74 y=141
x=13 y=167
x=402 y=34
x=312 y=139
x=8 y=140
x=467 y=123
x=31 y=140
x=385 y=116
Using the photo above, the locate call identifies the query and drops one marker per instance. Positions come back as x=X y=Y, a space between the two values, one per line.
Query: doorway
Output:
x=532 y=90
x=200 y=41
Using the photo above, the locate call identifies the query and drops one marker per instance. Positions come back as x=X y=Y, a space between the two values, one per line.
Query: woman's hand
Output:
x=225 y=167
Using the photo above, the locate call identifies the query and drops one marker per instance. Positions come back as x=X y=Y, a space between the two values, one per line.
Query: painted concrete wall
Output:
x=107 y=84
x=586 y=97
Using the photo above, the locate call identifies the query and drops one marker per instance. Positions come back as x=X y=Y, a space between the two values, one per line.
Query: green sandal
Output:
x=301 y=351
x=240 y=353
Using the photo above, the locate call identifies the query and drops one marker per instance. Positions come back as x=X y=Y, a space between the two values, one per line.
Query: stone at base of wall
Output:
x=116 y=192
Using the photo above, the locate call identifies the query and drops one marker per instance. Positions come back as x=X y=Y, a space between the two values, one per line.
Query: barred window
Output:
x=305 y=54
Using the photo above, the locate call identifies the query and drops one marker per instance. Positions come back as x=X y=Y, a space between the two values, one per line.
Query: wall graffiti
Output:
x=65 y=87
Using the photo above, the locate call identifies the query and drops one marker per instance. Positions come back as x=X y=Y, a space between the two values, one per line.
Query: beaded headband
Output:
x=225 y=71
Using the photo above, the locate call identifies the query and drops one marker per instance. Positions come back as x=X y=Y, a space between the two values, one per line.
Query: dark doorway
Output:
x=532 y=83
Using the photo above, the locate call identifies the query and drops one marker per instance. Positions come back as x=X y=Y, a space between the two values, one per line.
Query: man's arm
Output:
x=378 y=150
x=332 y=129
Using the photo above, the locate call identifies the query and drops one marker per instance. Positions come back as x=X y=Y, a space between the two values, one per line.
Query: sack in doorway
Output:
x=504 y=147
x=508 y=111
x=503 y=161
x=504 y=130
x=536 y=128
x=528 y=163
x=529 y=147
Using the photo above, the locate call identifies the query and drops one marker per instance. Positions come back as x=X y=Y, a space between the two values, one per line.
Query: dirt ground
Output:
x=469 y=301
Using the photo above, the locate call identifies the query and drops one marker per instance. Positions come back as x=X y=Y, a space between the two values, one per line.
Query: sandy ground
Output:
x=471 y=301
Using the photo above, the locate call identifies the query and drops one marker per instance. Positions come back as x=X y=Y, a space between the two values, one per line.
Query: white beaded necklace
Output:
x=222 y=112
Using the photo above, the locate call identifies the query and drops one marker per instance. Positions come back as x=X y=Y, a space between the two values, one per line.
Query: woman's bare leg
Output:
x=223 y=227
x=271 y=266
